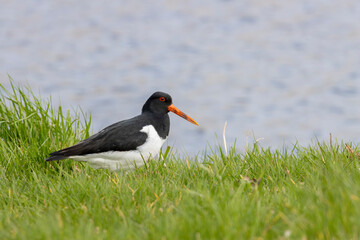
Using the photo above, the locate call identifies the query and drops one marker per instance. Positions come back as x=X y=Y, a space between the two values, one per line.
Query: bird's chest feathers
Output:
x=153 y=142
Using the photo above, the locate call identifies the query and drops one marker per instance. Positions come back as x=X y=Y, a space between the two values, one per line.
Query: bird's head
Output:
x=161 y=102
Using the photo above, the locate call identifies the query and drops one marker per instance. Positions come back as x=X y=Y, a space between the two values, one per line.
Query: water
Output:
x=284 y=71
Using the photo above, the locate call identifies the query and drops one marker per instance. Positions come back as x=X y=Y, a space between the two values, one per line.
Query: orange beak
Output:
x=175 y=110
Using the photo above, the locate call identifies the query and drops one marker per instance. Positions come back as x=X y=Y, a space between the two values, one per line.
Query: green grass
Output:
x=301 y=193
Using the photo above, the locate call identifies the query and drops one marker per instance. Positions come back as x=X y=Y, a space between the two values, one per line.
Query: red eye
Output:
x=162 y=99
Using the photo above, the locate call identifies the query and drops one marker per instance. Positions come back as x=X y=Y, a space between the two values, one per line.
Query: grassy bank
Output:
x=300 y=193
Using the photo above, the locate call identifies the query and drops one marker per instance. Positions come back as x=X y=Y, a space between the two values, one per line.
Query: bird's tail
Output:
x=68 y=152
x=55 y=156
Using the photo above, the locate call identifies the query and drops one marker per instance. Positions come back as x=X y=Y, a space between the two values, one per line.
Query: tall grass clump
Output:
x=308 y=192
x=30 y=128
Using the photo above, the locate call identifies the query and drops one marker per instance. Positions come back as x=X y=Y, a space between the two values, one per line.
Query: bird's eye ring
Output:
x=162 y=99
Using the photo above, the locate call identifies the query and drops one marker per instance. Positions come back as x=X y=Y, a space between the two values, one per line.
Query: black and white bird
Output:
x=128 y=143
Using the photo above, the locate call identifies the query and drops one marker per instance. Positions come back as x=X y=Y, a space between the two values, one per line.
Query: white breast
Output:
x=153 y=142
x=114 y=160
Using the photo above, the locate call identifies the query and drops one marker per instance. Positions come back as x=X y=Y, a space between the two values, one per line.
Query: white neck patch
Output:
x=153 y=142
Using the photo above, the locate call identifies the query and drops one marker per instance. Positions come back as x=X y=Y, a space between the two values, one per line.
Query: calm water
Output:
x=284 y=71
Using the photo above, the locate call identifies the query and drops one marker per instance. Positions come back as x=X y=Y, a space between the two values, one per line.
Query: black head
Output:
x=161 y=103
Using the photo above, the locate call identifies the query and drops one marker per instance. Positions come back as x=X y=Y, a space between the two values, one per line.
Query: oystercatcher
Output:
x=127 y=143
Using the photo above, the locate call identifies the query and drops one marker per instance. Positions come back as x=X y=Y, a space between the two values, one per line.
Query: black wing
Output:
x=121 y=136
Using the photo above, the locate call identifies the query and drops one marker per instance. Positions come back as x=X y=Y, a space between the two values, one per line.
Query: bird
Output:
x=130 y=143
